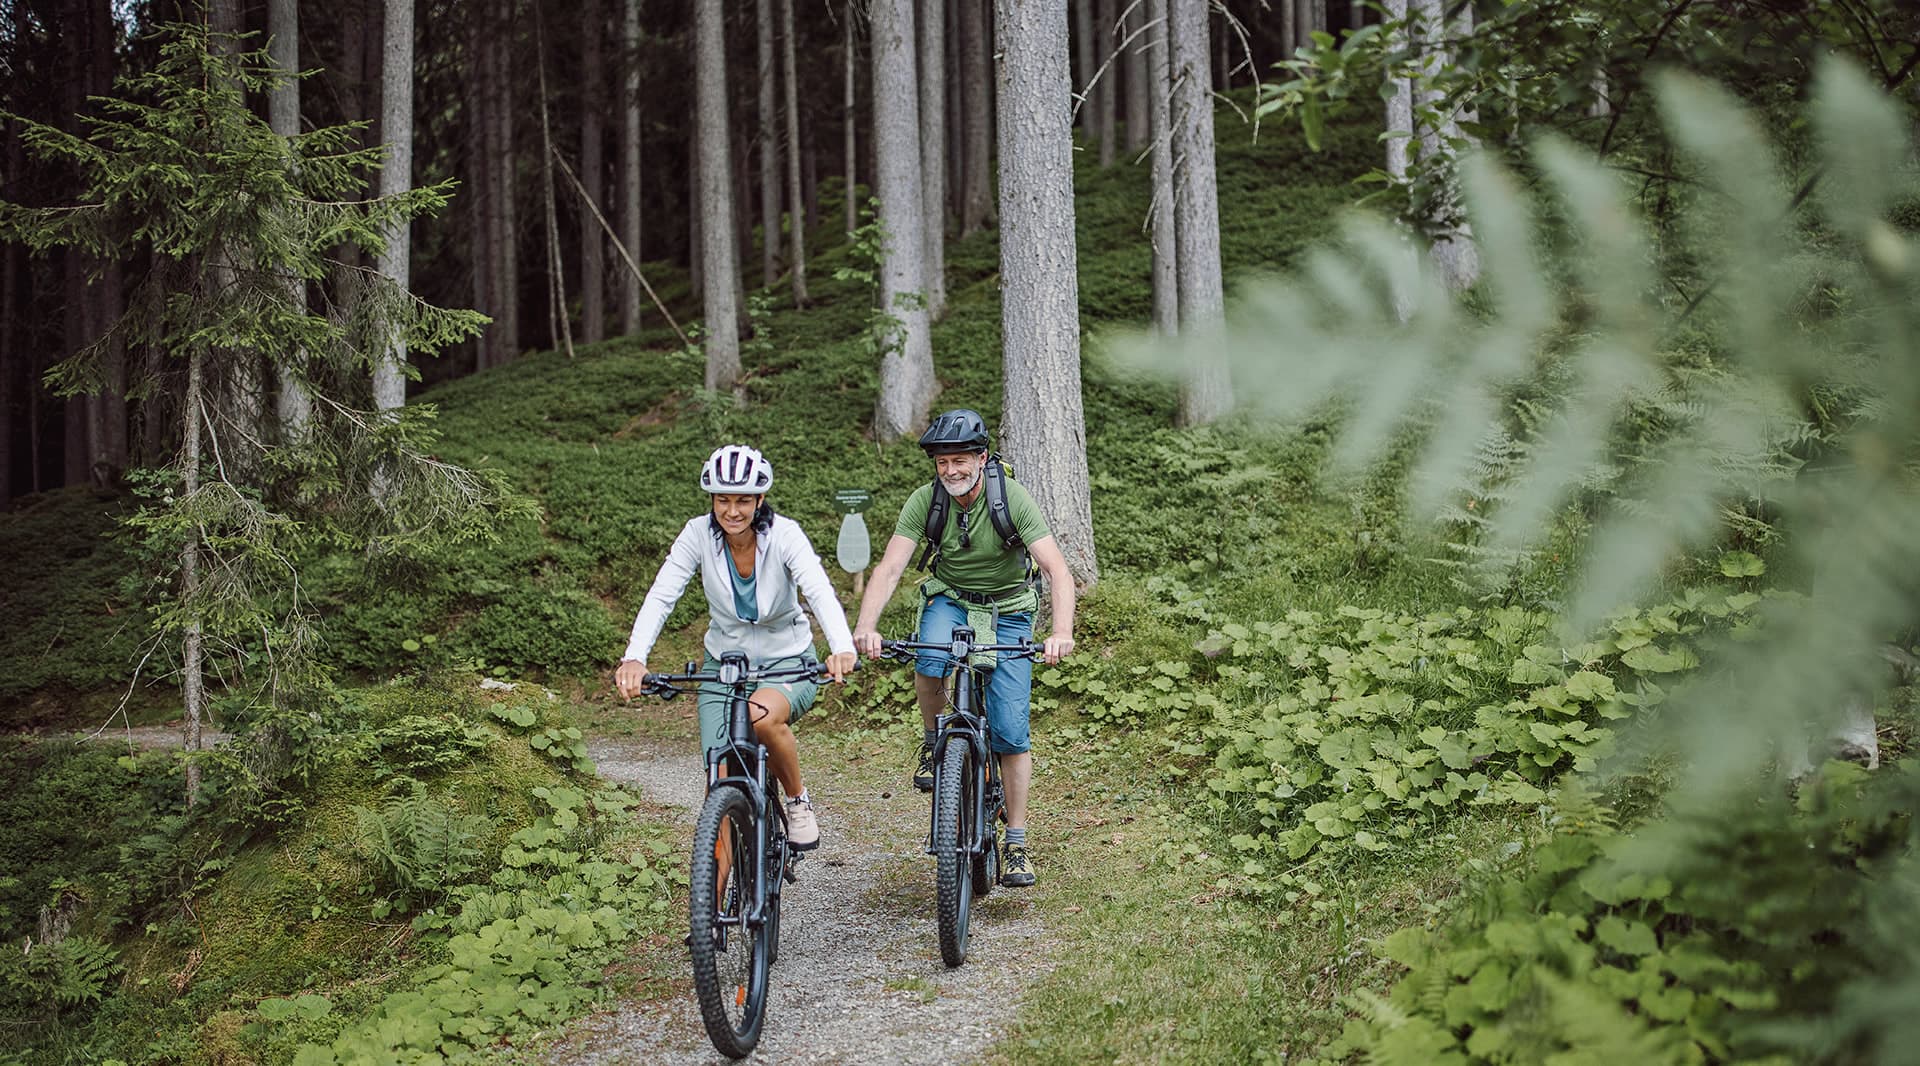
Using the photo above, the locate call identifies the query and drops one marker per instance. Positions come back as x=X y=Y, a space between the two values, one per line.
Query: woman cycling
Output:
x=751 y=562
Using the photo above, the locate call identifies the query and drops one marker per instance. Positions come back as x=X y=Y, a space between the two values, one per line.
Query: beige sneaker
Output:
x=803 y=829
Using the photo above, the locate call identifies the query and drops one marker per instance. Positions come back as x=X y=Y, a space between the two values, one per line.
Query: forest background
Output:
x=1486 y=589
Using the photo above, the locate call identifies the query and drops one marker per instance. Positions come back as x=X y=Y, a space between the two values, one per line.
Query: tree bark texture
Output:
x=715 y=205
x=293 y=404
x=931 y=26
x=768 y=138
x=630 y=162
x=906 y=366
x=849 y=123
x=483 y=273
x=593 y=246
x=1166 y=288
x=1133 y=71
x=796 y=200
x=192 y=689
x=1454 y=252
x=559 y=317
x=506 y=220
x=1206 y=393
x=242 y=401
x=9 y=352
x=396 y=178
x=1044 y=431
x=696 y=238
x=1399 y=100
x=976 y=81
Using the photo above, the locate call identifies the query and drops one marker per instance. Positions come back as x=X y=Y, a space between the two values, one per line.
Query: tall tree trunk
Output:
x=1206 y=393
x=1399 y=134
x=796 y=200
x=716 y=195
x=1044 y=430
x=75 y=448
x=192 y=682
x=769 y=140
x=932 y=74
x=1133 y=68
x=293 y=403
x=696 y=237
x=1356 y=15
x=1083 y=37
x=506 y=328
x=1289 y=27
x=9 y=349
x=396 y=179
x=956 y=121
x=849 y=122
x=976 y=199
x=1302 y=24
x=593 y=180
x=559 y=314
x=484 y=252
x=906 y=369
x=109 y=432
x=1454 y=252
x=1106 y=71
x=1166 y=289
x=630 y=162
x=243 y=403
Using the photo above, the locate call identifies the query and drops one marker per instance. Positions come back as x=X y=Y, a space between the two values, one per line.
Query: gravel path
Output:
x=859 y=977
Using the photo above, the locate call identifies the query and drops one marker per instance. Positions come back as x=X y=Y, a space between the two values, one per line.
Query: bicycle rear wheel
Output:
x=953 y=808
x=730 y=957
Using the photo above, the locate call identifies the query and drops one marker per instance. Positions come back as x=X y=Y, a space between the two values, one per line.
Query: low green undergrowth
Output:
x=1765 y=929
x=377 y=888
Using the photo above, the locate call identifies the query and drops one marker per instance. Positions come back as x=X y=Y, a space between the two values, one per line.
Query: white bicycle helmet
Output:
x=736 y=468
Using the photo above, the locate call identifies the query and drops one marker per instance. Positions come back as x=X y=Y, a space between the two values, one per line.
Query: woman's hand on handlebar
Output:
x=628 y=677
x=840 y=664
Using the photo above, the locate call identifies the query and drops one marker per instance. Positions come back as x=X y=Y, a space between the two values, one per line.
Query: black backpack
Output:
x=995 y=476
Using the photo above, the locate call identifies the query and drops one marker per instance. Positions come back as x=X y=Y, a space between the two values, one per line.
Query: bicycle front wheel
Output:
x=729 y=954
x=953 y=809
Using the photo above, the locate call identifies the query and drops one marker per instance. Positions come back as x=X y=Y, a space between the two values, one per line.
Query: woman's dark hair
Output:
x=762 y=519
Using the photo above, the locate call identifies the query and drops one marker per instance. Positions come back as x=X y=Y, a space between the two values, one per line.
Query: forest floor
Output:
x=859 y=977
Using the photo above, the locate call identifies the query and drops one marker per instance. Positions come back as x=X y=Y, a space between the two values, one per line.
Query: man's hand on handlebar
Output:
x=628 y=677
x=867 y=643
x=1056 y=648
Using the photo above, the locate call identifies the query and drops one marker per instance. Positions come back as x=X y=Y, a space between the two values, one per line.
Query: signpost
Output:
x=854 y=551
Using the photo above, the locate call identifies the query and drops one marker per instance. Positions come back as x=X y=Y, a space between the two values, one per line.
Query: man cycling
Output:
x=981 y=580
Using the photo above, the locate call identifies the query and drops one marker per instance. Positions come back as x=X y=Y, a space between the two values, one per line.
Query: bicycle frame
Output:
x=742 y=763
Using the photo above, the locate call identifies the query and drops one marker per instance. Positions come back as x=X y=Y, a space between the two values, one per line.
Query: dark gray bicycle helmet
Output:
x=958 y=430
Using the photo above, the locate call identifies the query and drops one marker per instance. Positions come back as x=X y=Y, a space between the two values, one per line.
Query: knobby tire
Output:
x=954 y=874
x=731 y=982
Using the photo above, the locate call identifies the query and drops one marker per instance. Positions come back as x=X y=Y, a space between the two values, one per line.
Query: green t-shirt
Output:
x=985 y=565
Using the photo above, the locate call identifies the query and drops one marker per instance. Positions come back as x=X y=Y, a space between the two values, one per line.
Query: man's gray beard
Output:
x=971 y=485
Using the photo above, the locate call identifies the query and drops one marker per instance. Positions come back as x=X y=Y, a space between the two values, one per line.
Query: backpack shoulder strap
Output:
x=997 y=509
x=937 y=509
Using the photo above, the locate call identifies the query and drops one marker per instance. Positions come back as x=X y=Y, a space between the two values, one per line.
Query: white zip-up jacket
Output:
x=784 y=563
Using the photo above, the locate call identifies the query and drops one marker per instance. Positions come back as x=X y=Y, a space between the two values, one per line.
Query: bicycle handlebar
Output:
x=667 y=686
x=960 y=649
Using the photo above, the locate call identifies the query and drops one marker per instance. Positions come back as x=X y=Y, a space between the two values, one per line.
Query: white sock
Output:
x=803 y=797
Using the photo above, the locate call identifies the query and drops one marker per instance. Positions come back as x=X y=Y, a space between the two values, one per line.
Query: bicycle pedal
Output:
x=792 y=872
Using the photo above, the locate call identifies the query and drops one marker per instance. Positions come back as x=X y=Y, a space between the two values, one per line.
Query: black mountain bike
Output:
x=967 y=798
x=741 y=861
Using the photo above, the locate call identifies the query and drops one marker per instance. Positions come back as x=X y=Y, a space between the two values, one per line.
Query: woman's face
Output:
x=734 y=511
